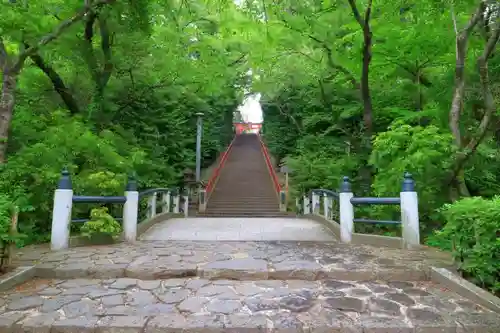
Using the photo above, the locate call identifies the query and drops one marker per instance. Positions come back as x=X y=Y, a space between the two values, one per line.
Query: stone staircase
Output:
x=244 y=187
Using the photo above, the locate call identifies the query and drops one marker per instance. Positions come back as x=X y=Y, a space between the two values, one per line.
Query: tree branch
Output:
x=329 y=54
x=199 y=20
x=356 y=13
x=88 y=33
x=239 y=60
x=56 y=33
x=489 y=102
x=106 y=51
x=492 y=42
x=303 y=54
x=4 y=56
x=368 y=13
x=57 y=82
x=414 y=72
x=462 y=38
x=88 y=36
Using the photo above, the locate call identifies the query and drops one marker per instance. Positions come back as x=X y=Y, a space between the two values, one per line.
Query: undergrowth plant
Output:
x=473 y=227
x=101 y=223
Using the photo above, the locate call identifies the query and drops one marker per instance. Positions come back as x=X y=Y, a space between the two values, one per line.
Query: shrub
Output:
x=101 y=223
x=472 y=227
x=427 y=153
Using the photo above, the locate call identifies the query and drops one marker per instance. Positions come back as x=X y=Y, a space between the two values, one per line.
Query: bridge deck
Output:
x=239 y=229
x=196 y=286
x=234 y=260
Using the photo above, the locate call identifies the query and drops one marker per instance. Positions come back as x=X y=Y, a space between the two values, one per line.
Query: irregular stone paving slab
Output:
x=195 y=305
x=233 y=260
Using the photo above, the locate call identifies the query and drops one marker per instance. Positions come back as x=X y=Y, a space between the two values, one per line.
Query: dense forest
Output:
x=370 y=89
x=363 y=88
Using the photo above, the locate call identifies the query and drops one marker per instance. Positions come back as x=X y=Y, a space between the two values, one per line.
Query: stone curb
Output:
x=18 y=276
x=176 y=323
x=377 y=240
x=142 y=227
x=357 y=238
x=234 y=273
x=465 y=288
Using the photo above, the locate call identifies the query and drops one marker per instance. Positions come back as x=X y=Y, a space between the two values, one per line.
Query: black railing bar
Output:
x=323 y=191
x=375 y=201
x=98 y=199
x=157 y=190
x=88 y=219
x=376 y=221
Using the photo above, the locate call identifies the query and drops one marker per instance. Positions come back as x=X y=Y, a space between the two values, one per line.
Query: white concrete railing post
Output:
x=130 y=211
x=186 y=205
x=177 y=203
x=409 y=213
x=307 y=205
x=61 y=213
x=327 y=202
x=202 y=200
x=165 y=202
x=152 y=206
x=346 y=211
x=282 y=201
x=315 y=203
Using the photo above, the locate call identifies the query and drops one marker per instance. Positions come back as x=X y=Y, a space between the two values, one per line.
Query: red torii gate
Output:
x=246 y=127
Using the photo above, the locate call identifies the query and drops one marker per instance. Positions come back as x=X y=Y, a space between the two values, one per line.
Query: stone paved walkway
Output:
x=236 y=287
x=233 y=260
x=199 y=305
x=239 y=229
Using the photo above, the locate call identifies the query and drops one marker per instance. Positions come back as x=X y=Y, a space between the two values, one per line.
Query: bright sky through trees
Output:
x=250 y=109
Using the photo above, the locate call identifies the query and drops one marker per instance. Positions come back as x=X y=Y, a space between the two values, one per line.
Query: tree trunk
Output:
x=365 y=83
x=458 y=93
x=364 y=23
x=7 y=102
x=100 y=74
x=467 y=150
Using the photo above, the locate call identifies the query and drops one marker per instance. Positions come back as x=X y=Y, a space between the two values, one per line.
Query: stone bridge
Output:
x=244 y=263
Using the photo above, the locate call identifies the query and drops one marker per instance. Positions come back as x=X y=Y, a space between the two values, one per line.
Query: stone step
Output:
x=247 y=195
x=238 y=196
x=222 y=214
x=244 y=212
x=250 y=199
x=234 y=171
x=236 y=260
x=242 y=200
x=199 y=305
x=257 y=186
x=244 y=208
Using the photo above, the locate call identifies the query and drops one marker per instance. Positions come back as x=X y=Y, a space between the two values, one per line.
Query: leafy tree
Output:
x=397 y=86
x=113 y=89
x=12 y=62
